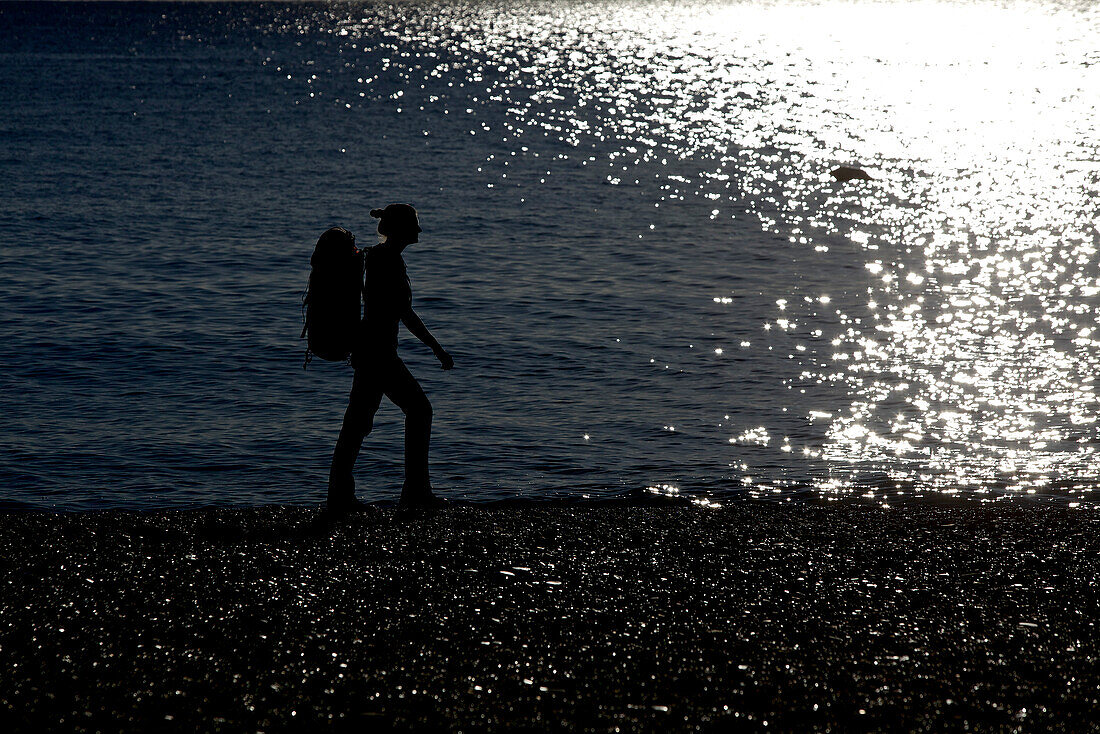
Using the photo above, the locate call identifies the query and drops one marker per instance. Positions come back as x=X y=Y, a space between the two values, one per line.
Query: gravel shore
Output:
x=541 y=617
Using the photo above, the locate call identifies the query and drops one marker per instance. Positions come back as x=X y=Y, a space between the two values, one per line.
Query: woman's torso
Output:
x=387 y=296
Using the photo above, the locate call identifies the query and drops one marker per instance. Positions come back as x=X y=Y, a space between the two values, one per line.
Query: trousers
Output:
x=378 y=376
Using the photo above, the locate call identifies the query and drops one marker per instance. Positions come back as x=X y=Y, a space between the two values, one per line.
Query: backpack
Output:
x=332 y=304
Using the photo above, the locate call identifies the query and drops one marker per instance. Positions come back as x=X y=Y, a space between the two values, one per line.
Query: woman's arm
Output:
x=416 y=328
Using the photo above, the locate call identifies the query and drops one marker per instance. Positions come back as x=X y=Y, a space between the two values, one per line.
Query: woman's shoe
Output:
x=419 y=497
x=341 y=496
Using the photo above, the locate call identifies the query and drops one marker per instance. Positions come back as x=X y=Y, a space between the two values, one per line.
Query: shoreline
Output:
x=682 y=618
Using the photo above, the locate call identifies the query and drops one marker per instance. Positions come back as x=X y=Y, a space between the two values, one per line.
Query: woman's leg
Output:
x=366 y=394
x=403 y=389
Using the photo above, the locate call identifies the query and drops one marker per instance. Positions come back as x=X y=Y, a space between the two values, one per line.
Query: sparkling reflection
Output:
x=942 y=322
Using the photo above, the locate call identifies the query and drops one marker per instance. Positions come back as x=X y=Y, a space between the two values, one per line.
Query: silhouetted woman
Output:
x=378 y=369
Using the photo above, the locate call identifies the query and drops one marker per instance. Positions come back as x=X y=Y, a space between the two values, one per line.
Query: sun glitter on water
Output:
x=654 y=277
x=954 y=318
x=971 y=362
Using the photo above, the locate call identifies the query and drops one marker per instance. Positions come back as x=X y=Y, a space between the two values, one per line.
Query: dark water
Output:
x=632 y=247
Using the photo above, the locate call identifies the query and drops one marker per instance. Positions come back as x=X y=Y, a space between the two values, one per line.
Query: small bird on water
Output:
x=847 y=173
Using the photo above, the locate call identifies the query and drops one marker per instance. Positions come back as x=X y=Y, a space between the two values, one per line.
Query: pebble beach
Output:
x=587 y=617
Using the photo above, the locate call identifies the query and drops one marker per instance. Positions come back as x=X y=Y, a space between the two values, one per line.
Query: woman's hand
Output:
x=417 y=328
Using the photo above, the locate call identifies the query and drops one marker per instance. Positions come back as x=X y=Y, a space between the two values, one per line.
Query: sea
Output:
x=652 y=287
